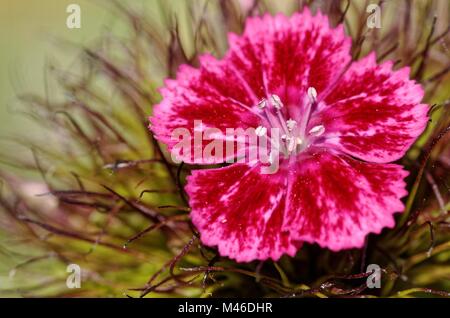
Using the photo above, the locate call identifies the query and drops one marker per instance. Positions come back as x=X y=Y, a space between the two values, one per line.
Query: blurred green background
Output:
x=33 y=32
x=29 y=30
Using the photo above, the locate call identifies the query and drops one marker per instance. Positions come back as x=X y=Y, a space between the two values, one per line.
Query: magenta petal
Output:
x=374 y=113
x=335 y=201
x=241 y=211
x=194 y=96
x=285 y=56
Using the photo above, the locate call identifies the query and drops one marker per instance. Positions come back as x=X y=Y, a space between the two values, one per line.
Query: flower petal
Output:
x=335 y=200
x=241 y=211
x=286 y=56
x=191 y=98
x=374 y=113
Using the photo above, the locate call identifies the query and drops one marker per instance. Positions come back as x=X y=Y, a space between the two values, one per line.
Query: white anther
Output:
x=312 y=94
x=299 y=141
x=291 y=124
x=260 y=131
x=262 y=103
x=276 y=101
x=284 y=137
x=317 y=130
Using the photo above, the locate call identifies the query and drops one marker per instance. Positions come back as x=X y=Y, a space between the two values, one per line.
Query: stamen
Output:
x=262 y=103
x=260 y=131
x=312 y=94
x=276 y=101
x=317 y=130
x=299 y=141
x=291 y=124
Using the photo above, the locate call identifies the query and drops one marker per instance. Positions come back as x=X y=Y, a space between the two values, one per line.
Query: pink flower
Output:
x=346 y=121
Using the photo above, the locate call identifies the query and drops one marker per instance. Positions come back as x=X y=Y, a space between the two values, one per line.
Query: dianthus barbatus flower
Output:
x=346 y=120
